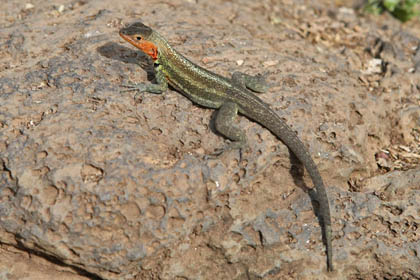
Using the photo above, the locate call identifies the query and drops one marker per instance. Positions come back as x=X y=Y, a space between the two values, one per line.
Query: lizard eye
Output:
x=138 y=38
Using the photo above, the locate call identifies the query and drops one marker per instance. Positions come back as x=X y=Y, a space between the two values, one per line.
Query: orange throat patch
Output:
x=146 y=46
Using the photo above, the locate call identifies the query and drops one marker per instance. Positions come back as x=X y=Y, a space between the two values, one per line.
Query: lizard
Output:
x=229 y=97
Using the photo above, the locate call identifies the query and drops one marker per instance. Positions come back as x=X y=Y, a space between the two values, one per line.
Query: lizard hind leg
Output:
x=255 y=83
x=224 y=124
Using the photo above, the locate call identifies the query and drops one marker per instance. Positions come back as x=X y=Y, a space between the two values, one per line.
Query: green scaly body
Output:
x=229 y=96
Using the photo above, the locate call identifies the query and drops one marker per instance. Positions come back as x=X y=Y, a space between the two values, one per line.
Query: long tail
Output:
x=269 y=119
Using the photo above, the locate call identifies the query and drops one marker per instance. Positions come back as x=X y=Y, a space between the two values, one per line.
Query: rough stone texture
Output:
x=94 y=184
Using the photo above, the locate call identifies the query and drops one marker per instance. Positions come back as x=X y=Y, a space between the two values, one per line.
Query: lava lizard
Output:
x=230 y=97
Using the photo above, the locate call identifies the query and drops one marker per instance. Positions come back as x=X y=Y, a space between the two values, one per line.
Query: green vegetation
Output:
x=402 y=9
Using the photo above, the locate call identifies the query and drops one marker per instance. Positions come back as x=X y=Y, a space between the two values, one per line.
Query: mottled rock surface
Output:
x=95 y=184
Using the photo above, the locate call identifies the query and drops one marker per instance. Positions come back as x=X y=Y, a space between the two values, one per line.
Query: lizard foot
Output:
x=220 y=151
x=140 y=87
x=258 y=83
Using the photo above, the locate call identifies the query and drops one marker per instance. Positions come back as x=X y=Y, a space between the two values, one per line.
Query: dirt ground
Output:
x=97 y=185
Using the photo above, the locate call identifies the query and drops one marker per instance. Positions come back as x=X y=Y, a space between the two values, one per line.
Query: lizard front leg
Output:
x=255 y=83
x=160 y=87
x=224 y=124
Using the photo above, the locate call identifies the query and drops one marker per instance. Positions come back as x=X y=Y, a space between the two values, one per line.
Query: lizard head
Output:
x=140 y=35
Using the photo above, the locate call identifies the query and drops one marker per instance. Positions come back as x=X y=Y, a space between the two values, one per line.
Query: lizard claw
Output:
x=259 y=84
x=134 y=87
x=220 y=151
x=215 y=155
x=139 y=87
